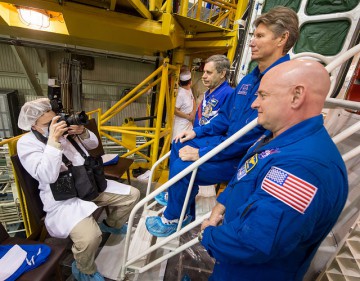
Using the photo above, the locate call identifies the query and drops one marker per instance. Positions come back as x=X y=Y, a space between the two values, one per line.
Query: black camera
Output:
x=74 y=119
x=54 y=94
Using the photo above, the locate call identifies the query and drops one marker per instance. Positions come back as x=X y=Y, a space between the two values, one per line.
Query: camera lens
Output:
x=74 y=119
x=81 y=118
x=77 y=119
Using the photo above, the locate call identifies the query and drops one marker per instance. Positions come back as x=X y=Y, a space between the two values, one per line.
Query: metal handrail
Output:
x=170 y=182
x=329 y=101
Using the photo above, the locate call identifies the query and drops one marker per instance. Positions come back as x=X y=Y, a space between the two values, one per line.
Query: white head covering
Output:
x=185 y=76
x=31 y=111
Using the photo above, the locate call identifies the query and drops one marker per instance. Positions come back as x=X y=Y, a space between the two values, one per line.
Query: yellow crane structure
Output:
x=182 y=28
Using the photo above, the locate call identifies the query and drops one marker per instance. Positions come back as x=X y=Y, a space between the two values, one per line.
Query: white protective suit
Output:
x=44 y=163
x=185 y=103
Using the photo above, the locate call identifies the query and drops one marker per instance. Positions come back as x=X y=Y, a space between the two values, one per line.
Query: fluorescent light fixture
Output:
x=34 y=18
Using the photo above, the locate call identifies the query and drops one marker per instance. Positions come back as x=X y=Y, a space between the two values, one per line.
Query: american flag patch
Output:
x=289 y=189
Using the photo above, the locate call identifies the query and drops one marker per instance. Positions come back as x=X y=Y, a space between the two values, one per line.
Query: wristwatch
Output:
x=200 y=235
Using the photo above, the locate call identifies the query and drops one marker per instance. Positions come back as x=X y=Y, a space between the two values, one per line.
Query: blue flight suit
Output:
x=234 y=114
x=211 y=104
x=284 y=199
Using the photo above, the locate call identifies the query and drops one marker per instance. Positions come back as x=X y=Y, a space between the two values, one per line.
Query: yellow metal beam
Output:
x=240 y=10
x=141 y=9
x=226 y=44
x=102 y=29
x=112 y=5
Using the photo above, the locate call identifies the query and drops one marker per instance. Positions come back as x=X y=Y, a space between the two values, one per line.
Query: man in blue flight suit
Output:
x=216 y=73
x=276 y=32
x=290 y=186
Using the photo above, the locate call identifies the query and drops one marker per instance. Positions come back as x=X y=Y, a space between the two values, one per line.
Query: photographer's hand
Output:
x=76 y=129
x=56 y=130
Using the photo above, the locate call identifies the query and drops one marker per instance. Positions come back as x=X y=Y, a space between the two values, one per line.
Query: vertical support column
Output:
x=178 y=60
x=184 y=6
x=160 y=109
x=240 y=10
x=169 y=6
x=198 y=10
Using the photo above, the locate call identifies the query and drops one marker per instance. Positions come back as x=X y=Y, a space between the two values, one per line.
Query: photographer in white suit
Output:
x=71 y=217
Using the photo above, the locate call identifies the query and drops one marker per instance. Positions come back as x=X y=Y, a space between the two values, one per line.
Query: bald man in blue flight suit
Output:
x=289 y=189
x=275 y=33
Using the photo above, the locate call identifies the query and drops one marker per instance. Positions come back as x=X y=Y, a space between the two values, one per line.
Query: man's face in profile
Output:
x=211 y=78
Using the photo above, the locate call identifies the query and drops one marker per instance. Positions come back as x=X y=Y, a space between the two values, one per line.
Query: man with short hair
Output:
x=289 y=189
x=276 y=32
x=216 y=72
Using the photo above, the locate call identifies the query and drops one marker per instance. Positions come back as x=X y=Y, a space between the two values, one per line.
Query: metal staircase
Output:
x=135 y=255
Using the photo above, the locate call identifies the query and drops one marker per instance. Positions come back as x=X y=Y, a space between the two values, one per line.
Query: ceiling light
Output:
x=34 y=18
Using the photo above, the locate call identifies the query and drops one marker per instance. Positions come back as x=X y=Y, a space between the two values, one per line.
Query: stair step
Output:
x=171 y=245
x=110 y=257
x=141 y=241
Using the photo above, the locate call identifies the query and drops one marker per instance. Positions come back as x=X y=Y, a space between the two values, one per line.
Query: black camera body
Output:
x=74 y=119
x=54 y=94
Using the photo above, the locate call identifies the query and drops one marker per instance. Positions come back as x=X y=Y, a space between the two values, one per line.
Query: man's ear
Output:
x=298 y=96
x=283 y=38
x=223 y=74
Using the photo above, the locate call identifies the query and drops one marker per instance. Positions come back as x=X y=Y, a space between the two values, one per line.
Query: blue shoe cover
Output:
x=161 y=198
x=79 y=276
x=117 y=231
x=159 y=229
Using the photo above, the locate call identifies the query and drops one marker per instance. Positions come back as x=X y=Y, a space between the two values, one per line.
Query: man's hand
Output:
x=214 y=221
x=56 y=130
x=188 y=153
x=216 y=216
x=76 y=129
x=185 y=136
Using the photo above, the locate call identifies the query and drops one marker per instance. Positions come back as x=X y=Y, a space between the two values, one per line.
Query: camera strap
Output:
x=44 y=140
x=78 y=148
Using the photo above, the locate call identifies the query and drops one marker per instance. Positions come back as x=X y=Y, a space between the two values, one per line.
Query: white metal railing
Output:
x=348 y=131
x=165 y=186
x=193 y=168
x=331 y=64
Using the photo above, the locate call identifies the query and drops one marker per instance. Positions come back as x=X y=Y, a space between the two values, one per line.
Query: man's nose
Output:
x=252 y=42
x=255 y=104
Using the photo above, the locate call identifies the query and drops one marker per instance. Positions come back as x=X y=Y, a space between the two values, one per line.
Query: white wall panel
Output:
x=102 y=87
x=8 y=60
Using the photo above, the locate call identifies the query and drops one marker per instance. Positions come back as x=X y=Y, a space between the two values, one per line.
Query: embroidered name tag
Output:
x=241 y=173
x=268 y=152
x=244 y=89
x=288 y=188
x=213 y=102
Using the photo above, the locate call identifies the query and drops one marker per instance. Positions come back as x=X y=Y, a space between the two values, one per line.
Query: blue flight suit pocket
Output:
x=260 y=230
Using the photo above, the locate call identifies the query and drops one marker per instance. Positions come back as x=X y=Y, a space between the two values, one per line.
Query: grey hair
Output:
x=221 y=63
x=279 y=20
